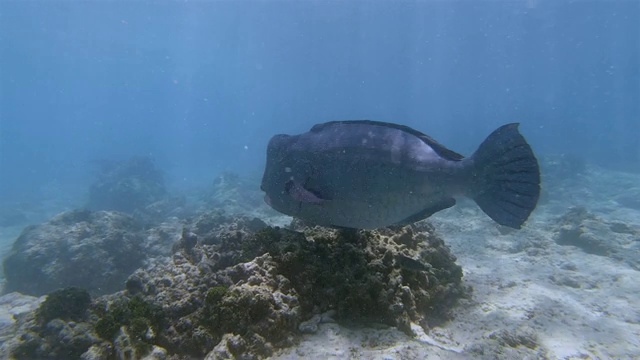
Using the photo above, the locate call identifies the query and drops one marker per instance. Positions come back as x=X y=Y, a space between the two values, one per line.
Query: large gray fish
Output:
x=367 y=174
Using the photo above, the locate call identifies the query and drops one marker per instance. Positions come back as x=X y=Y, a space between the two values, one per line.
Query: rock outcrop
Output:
x=96 y=251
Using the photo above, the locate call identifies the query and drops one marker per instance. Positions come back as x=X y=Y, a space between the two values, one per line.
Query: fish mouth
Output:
x=267 y=200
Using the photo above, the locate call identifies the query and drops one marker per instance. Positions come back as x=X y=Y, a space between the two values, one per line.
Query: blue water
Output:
x=202 y=86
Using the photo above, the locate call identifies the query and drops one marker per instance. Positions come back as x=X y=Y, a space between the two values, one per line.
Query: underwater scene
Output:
x=319 y=180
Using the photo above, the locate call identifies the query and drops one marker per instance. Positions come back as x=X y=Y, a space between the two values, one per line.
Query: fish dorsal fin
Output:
x=436 y=146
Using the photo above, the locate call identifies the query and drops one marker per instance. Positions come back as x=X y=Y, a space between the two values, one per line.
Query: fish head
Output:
x=279 y=172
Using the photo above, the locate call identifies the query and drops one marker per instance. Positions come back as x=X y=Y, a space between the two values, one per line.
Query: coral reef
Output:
x=234 y=193
x=12 y=306
x=236 y=288
x=127 y=185
x=67 y=325
x=247 y=287
x=133 y=318
x=57 y=329
x=67 y=304
x=215 y=227
x=55 y=340
x=96 y=251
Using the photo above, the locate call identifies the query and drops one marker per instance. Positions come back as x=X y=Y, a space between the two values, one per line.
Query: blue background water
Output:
x=202 y=86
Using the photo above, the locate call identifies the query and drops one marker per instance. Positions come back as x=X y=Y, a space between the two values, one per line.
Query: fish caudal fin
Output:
x=506 y=181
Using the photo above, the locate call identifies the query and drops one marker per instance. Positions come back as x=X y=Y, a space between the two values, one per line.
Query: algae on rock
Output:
x=260 y=282
x=236 y=287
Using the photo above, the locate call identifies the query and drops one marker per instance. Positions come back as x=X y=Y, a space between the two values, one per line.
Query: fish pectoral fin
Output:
x=299 y=193
x=423 y=214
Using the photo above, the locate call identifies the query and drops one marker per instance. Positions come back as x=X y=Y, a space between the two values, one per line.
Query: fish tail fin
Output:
x=506 y=177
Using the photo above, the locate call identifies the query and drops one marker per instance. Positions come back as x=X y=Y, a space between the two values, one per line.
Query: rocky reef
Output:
x=96 y=251
x=235 y=194
x=127 y=186
x=237 y=288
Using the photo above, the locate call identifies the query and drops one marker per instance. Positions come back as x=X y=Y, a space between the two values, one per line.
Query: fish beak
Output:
x=267 y=200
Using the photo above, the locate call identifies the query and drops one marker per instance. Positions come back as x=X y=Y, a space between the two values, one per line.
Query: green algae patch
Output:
x=136 y=314
x=67 y=304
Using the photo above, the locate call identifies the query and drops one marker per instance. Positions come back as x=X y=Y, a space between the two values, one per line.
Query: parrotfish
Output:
x=367 y=174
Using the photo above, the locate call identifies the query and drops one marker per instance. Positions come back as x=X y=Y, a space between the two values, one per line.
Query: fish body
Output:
x=367 y=174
